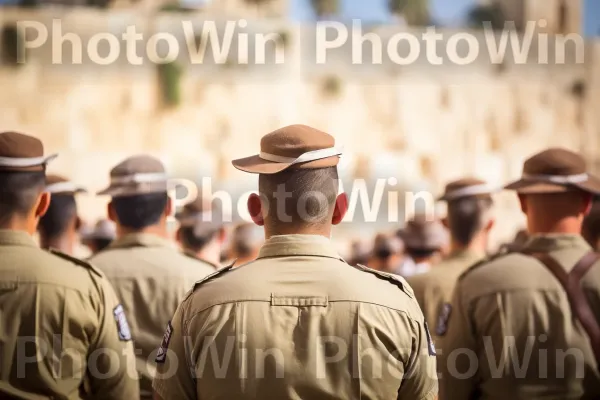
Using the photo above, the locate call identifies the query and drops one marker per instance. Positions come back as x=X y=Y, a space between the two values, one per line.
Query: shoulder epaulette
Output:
x=501 y=253
x=77 y=261
x=210 y=277
x=392 y=278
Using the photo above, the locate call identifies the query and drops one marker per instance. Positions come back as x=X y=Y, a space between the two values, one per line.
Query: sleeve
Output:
x=458 y=358
x=421 y=381
x=174 y=377
x=111 y=362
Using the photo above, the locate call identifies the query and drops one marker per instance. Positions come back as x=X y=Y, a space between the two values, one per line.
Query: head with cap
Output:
x=423 y=238
x=469 y=219
x=387 y=253
x=59 y=227
x=591 y=226
x=201 y=231
x=22 y=181
x=246 y=240
x=298 y=182
x=555 y=191
x=99 y=237
x=140 y=200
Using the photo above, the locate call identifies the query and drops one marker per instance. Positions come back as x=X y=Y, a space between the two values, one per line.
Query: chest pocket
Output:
x=8 y=287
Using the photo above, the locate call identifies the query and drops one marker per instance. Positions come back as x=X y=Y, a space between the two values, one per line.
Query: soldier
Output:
x=246 y=241
x=201 y=232
x=469 y=221
x=149 y=274
x=514 y=331
x=100 y=236
x=297 y=323
x=59 y=227
x=424 y=240
x=591 y=226
x=387 y=253
x=61 y=326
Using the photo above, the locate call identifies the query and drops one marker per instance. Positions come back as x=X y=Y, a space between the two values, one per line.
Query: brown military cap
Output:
x=202 y=215
x=57 y=184
x=424 y=234
x=299 y=146
x=553 y=171
x=137 y=175
x=390 y=244
x=467 y=187
x=19 y=152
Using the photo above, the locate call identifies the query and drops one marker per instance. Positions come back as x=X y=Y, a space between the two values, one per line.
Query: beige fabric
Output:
x=150 y=277
x=298 y=323
x=64 y=308
x=514 y=298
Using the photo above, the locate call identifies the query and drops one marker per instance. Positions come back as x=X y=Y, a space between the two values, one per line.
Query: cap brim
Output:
x=122 y=191
x=523 y=186
x=256 y=165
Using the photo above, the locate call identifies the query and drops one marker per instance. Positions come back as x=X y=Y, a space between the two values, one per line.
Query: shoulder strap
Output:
x=77 y=261
x=210 y=277
x=571 y=282
x=392 y=278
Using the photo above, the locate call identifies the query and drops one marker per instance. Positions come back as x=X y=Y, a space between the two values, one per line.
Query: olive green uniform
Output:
x=65 y=310
x=514 y=301
x=297 y=323
x=434 y=289
x=150 y=277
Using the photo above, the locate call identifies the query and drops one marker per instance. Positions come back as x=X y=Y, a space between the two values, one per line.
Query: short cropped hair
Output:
x=141 y=210
x=19 y=191
x=467 y=217
x=62 y=210
x=192 y=240
x=300 y=197
x=100 y=244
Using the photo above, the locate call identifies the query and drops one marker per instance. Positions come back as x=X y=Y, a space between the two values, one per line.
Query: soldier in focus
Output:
x=201 y=232
x=246 y=242
x=299 y=317
x=469 y=221
x=519 y=315
x=55 y=311
x=100 y=236
x=149 y=274
x=59 y=227
x=424 y=240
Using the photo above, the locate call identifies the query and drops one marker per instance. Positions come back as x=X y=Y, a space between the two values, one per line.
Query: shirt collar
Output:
x=141 y=240
x=465 y=254
x=552 y=242
x=298 y=245
x=16 y=238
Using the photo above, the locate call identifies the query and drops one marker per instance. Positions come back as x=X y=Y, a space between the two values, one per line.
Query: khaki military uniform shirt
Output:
x=434 y=288
x=297 y=323
x=65 y=311
x=150 y=276
x=511 y=333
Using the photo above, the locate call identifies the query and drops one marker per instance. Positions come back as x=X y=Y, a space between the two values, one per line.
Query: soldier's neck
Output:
x=567 y=226
x=63 y=244
x=298 y=230
x=158 y=230
x=477 y=245
x=20 y=224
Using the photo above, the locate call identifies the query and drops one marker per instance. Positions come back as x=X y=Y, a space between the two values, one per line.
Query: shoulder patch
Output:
x=395 y=279
x=443 y=318
x=430 y=344
x=122 y=324
x=77 y=261
x=210 y=277
x=161 y=355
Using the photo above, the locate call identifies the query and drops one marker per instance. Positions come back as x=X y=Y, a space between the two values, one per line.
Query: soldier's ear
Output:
x=255 y=209
x=110 y=211
x=523 y=201
x=490 y=225
x=42 y=204
x=341 y=207
x=588 y=201
x=445 y=222
x=169 y=206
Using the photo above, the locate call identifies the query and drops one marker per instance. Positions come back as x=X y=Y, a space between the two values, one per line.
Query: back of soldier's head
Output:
x=60 y=216
x=467 y=217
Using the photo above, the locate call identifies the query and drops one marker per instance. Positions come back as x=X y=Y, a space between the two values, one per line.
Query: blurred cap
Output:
x=136 y=175
x=467 y=187
x=423 y=234
x=20 y=152
x=202 y=215
x=57 y=184
x=386 y=245
x=299 y=146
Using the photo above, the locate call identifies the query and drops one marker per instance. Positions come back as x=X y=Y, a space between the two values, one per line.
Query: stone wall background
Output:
x=421 y=126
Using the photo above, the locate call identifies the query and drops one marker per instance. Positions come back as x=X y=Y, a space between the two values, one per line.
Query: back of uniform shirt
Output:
x=301 y=327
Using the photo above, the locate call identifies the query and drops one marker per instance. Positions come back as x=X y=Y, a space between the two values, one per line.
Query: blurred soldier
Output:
x=591 y=226
x=201 y=233
x=469 y=221
x=55 y=310
x=299 y=318
x=387 y=253
x=149 y=274
x=360 y=252
x=514 y=331
x=246 y=242
x=423 y=239
x=100 y=236
x=59 y=227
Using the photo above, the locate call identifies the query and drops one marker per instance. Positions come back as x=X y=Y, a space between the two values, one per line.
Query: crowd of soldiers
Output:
x=270 y=310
